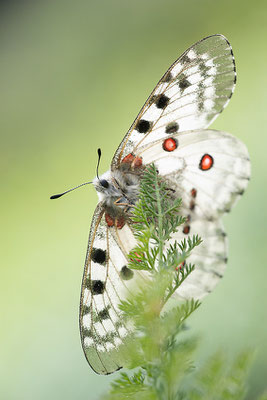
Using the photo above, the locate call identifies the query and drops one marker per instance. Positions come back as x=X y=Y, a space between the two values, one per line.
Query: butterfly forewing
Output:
x=190 y=95
x=100 y=322
x=106 y=281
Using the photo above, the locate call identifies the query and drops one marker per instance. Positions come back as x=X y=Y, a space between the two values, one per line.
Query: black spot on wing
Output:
x=97 y=287
x=88 y=333
x=184 y=83
x=98 y=255
x=126 y=273
x=143 y=126
x=204 y=69
x=162 y=101
x=172 y=127
x=85 y=309
x=103 y=314
x=185 y=59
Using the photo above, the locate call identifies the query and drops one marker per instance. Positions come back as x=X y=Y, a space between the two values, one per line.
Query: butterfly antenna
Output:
x=56 y=196
x=98 y=162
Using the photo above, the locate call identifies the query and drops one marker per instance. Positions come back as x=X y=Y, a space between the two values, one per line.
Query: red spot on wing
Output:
x=206 y=162
x=133 y=160
x=170 y=144
x=120 y=222
x=128 y=159
x=137 y=162
x=186 y=229
x=194 y=193
x=192 y=205
x=109 y=220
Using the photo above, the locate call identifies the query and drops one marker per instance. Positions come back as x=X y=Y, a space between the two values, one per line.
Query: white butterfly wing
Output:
x=98 y=306
x=209 y=170
x=190 y=95
x=106 y=281
x=209 y=258
x=217 y=181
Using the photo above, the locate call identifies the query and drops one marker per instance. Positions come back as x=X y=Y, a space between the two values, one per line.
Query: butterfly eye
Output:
x=104 y=183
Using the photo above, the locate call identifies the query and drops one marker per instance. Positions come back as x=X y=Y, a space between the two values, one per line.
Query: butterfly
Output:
x=208 y=169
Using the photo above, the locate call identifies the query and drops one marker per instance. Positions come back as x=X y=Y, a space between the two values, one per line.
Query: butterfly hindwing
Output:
x=209 y=257
x=190 y=95
x=208 y=169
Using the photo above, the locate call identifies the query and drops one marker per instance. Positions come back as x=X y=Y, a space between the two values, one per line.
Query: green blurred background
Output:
x=74 y=74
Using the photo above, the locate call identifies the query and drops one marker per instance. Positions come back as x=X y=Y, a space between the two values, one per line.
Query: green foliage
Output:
x=159 y=348
x=217 y=380
x=156 y=217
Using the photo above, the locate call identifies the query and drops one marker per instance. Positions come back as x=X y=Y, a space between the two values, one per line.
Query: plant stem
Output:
x=160 y=224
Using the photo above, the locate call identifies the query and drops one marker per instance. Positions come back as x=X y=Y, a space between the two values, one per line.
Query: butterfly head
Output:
x=107 y=188
x=103 y=185
x=117 y=188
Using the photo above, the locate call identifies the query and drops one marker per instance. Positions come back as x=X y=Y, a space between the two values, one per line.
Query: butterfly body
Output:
x=118 y=189
x=208 y=169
